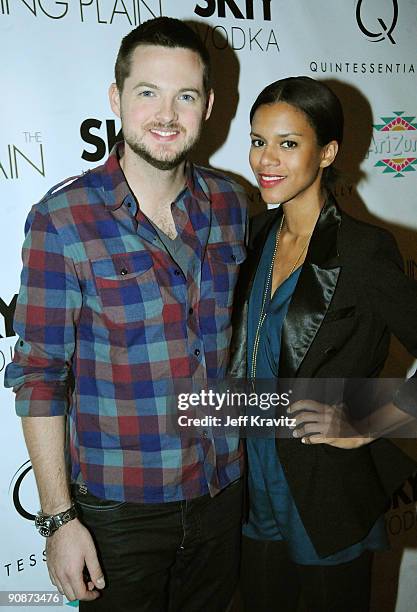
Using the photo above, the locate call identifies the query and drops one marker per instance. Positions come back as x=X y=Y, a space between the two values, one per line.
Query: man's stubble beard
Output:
x=164 y=161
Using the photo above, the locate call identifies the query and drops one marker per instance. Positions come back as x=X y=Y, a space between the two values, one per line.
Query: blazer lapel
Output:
x=256 y=247
x=314 y=291
x=238 y=349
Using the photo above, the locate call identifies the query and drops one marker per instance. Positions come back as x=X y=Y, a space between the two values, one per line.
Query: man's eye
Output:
x=257 y=142
x=187 y=97
x=146 y=93
x=288 y=144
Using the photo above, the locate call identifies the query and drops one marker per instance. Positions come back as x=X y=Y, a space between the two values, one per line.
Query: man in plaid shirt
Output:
x=127 y=284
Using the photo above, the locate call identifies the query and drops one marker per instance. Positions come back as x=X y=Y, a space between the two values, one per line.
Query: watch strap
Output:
x=47 y=524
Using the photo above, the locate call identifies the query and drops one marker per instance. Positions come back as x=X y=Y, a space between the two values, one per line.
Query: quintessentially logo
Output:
x=395 y=142
x=23 y=562
x=16 y=488
x=381 y=30
x=389 y=68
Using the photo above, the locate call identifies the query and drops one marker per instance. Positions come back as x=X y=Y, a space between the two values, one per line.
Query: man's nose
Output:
x=167 y=111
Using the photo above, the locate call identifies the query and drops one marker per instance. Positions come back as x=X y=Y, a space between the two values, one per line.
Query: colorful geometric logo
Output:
x=402 y=164
x=398 y=165
x=397 y=123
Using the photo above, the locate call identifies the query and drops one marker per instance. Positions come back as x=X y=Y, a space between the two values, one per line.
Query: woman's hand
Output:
x=318 y=423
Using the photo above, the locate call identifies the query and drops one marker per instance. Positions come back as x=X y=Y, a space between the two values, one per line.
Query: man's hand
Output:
x=68 y=552
x=323 y=424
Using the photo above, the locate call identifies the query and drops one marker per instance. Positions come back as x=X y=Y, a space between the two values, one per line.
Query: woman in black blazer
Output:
x=318 y=296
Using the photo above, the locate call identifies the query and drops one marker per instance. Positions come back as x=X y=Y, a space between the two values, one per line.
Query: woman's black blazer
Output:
x=350 y=295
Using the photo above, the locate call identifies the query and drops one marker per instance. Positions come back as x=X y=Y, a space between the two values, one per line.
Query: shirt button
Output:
x=129 y=204
x=123 y=271
x=197 y=352
x=21 y=343
x=177 y=272
x=190 y=311
x=205 y=434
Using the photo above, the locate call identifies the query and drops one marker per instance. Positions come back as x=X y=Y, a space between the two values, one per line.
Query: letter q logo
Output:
x=23 y=490
x=381 y=30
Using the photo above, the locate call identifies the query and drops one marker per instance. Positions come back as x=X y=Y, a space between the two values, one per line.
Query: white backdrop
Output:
x=57 y=61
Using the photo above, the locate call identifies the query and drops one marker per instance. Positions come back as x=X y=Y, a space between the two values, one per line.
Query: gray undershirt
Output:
x=175 y=248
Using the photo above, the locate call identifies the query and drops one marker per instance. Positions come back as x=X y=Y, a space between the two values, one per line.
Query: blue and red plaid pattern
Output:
x=102 y=300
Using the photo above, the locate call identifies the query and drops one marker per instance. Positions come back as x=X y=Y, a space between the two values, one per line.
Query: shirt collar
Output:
x=116 y=189
x=195 y=182
x=114 y=185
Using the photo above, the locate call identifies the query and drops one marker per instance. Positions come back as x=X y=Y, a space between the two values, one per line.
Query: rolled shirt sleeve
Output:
x=47 y=308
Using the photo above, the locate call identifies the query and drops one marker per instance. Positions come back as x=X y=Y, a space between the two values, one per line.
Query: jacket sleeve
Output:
x=395 y=299
x=47 y=308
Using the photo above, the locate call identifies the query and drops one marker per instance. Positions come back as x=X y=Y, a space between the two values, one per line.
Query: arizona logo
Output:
x=397 y=141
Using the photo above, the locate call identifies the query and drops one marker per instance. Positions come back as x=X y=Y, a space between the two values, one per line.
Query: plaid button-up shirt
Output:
x=103 y=304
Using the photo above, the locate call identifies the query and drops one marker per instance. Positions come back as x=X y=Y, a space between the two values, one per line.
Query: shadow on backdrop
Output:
x=225 y=79
x=358 y=133
x=359 y=122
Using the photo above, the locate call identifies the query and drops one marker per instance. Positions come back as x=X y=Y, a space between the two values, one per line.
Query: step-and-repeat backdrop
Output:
x=57 y=59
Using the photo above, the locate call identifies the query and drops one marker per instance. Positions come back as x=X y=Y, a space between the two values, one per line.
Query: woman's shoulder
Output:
x=364 y=238
x=260 y=222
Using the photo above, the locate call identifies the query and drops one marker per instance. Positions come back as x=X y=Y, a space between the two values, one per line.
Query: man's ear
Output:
x=209 y=104
x=328 y=154
x=114 y=97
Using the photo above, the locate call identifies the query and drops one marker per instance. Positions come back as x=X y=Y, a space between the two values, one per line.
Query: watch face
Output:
x=44 y=526
x=45 y=531
x=48 y=524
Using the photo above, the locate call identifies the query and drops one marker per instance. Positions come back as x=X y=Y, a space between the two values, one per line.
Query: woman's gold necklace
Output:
x=267 y=290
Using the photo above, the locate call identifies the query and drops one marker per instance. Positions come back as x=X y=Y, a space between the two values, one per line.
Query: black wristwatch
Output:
x=47 y=524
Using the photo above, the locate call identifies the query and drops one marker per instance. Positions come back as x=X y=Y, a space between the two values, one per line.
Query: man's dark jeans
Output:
x=172 y=557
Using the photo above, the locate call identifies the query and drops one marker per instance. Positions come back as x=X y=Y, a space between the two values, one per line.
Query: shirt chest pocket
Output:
x=224 y=260
x=127 y=287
